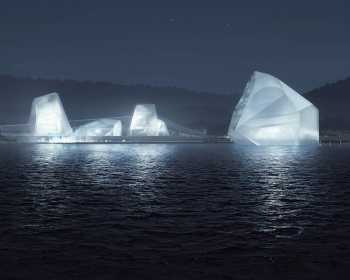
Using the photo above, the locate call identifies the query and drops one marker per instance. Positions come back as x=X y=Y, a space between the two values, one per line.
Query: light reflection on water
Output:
x=280 y=186
x=155 y=202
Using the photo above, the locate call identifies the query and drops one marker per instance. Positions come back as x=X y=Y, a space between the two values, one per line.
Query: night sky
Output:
x=202 y=45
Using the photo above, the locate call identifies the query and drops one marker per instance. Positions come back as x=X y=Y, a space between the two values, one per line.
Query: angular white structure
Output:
x=48 y=118
x=145 y=122
x=99 y=128
x=117 y=129
x=271 y=113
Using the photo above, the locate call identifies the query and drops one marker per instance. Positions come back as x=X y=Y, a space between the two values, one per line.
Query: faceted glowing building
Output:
x=145 y=122
x=271 y=113
x=48 y=118
x=102 y=127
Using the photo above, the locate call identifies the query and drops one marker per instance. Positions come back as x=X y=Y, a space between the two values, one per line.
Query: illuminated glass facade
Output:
x=145 y=122
x=48 y=118
x=271 y=113
x=100 y=128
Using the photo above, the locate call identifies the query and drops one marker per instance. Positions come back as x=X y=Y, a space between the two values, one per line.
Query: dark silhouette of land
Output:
x=86 y=99
x=332 y=100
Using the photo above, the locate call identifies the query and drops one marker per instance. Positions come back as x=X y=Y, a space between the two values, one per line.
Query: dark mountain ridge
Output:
x=332 y=101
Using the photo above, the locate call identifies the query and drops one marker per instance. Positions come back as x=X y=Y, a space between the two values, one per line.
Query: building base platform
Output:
x=115 y=139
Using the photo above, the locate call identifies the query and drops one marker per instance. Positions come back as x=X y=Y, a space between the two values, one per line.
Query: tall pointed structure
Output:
x=271 y=113
x=145 y=122
x=48 y=118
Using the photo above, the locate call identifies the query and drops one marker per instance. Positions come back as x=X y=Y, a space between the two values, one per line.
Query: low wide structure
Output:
x=99 y=128
x=48 y=123
x=271 y=113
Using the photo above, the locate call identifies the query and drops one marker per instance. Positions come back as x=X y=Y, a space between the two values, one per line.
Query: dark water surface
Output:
x=174 y=212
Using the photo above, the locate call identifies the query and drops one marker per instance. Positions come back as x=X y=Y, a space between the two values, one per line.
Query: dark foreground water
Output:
x=174 y=212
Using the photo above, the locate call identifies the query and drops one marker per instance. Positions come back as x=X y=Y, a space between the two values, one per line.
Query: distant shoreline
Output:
x=334 y=136
x=331 y=137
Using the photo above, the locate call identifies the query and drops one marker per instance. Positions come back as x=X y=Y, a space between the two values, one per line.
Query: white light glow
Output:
x=271 y=113
x=145 y=122
x=48 y=117
x=99 y=128
x=117 y=129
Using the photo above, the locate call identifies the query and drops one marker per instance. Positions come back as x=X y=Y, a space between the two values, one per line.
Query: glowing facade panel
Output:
x=48 y=117
x=117 y=129
x=162 y=128
x=102 y=127
x=271 y=113
x=145 y=122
